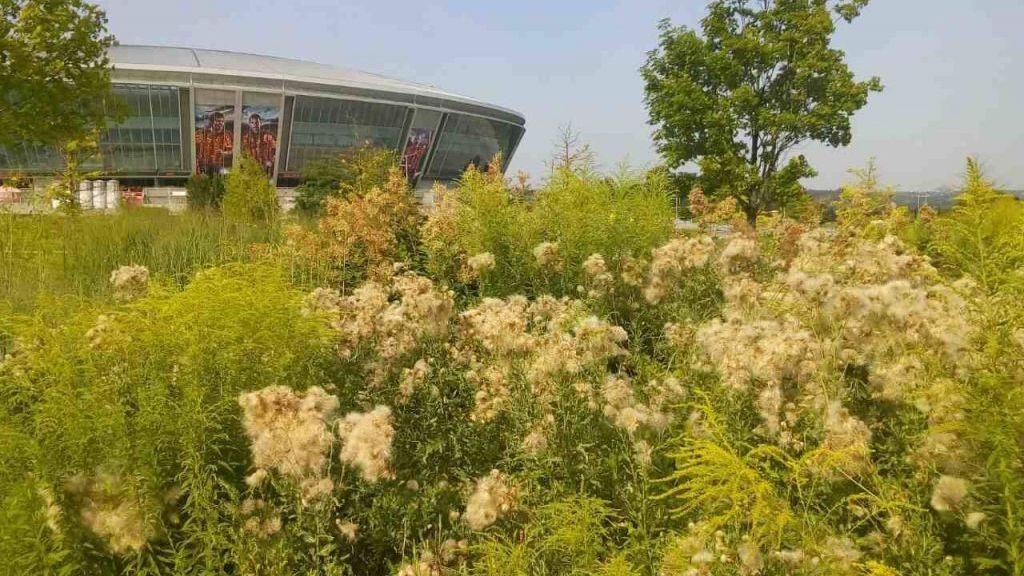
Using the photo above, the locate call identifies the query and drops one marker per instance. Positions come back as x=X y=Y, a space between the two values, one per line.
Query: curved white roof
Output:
x=219 y=62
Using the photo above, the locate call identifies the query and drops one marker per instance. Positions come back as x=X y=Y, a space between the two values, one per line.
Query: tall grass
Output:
x=73 y=255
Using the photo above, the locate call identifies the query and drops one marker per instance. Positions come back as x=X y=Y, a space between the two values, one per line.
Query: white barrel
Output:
x=99 y=195
x=113 y=194
x=85 y=194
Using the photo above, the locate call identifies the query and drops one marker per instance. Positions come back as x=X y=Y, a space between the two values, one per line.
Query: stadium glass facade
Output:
x=190 y=111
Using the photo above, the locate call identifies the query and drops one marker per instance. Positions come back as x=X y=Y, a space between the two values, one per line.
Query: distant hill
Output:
x=912 y=199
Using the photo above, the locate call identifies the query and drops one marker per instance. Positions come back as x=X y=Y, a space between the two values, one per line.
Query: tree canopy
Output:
x=737 y=96
x=54 y=70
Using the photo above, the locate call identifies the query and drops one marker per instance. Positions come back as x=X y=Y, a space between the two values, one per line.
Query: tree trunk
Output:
x=751 y=211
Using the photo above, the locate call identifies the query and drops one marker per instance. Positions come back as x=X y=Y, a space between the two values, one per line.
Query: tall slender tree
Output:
x=571 y=152
x=756 y=80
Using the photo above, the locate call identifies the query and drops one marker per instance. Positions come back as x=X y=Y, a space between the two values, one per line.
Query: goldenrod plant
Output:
x=249 y=196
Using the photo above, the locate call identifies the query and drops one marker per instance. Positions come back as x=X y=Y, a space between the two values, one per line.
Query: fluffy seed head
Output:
x=129 y=282
x=490 y=500
x=547 y=254
x=949 y=493
x=480 y=262
x=289 y=432
x=366 y=438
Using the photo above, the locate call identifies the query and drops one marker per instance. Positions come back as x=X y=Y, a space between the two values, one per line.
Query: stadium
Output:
x=196 y=111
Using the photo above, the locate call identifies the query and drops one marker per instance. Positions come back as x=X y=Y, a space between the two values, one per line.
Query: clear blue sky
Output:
x=953 y=69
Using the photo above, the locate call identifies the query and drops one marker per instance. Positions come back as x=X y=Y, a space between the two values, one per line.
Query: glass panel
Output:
x=417 y=143
x=127 y=147
x=167 y=129
x=285 y=131
x=23 y=158
x=148 y=140
x=470 y=140
x=326 y=126
x=215 y=131
x=184 y=100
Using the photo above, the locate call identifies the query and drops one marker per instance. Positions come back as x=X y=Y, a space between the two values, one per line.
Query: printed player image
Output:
x=215 y=129
x=259 y=135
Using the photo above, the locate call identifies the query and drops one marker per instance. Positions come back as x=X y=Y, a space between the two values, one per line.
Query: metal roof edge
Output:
x=405 y=87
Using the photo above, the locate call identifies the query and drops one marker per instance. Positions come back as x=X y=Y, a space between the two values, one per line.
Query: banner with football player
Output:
x=259 y=135
x=215 y=130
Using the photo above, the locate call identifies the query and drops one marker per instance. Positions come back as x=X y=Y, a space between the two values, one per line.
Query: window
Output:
x=324 y=126
x=421 y=136
x=472 y=140
x=27 y=158
x=148 y=139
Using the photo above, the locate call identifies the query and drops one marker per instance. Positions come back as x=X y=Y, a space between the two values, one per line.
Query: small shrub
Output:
x=339 y=176
x=981 y=237
x=364 y=233
x=249 y=197
x=205 y=191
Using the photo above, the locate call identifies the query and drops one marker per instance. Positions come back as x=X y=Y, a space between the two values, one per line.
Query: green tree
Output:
x=736 y=97
x=248 y=194
x=54 y=71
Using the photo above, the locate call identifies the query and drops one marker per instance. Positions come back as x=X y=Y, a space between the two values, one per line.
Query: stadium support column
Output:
x=236 y=155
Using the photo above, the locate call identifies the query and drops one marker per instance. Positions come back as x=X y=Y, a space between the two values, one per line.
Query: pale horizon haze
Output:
x=952 y=70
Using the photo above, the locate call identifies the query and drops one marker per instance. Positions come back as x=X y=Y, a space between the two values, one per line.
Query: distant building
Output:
x=193 y=111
